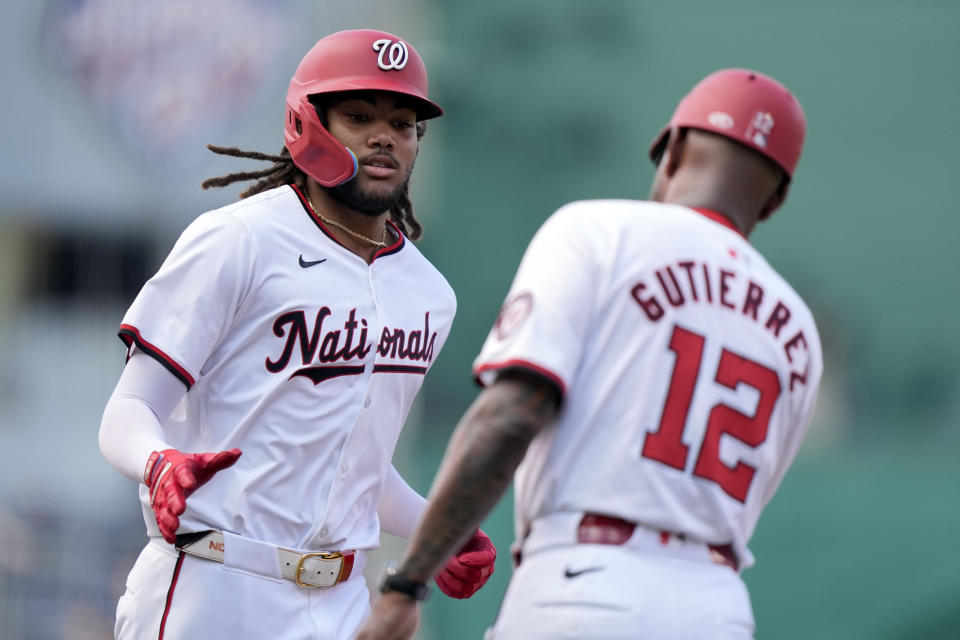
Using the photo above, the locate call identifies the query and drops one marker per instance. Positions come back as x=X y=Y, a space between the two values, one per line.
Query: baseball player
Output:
x=650 y=378
x=272 y=361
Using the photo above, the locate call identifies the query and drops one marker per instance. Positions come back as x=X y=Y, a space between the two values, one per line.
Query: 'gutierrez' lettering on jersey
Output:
x=720 y=289
x=394 y=343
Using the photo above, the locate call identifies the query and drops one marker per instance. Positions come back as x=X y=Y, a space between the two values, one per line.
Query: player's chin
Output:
x=380 y=190
x=384 y=193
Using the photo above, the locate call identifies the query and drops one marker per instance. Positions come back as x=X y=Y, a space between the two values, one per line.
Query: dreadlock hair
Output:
x=284 y=172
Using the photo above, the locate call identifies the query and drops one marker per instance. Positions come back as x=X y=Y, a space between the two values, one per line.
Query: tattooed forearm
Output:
x=485 y=450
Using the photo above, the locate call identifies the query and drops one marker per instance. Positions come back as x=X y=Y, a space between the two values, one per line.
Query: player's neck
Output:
x=742 y=222
x=736 y=206
x=361 y=233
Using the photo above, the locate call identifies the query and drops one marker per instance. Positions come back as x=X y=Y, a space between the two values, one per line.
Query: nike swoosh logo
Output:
x=573 y=574
x=305 y=264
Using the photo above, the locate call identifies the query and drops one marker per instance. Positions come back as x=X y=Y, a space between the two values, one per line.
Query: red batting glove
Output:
x=469 y=569
x=172 y=476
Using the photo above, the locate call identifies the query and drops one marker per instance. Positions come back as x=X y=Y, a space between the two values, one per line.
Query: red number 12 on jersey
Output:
x=665 y=445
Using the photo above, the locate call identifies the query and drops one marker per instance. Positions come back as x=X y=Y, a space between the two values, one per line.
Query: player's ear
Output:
x=776 y=199
x=673 y=153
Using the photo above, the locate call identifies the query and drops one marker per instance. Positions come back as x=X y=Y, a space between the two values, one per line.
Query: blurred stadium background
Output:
x=108 y=104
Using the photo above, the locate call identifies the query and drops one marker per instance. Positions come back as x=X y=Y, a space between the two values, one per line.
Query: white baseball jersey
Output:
x=689 y=369
x=298 y=352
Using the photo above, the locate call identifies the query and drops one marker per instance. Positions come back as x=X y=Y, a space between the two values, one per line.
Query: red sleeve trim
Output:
x=131 y=335
x=550 y=376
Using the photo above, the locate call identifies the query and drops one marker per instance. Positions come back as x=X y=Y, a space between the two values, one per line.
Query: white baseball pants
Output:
x=642 y=589
x=212 y=600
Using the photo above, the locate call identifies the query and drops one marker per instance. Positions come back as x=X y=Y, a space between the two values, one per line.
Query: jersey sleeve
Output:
x=184 y=311
x=542 y=323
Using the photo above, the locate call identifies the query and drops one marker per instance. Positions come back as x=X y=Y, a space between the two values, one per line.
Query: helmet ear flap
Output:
x=314 y=150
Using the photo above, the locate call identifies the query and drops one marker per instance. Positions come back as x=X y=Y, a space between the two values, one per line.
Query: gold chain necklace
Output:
x=382 y=243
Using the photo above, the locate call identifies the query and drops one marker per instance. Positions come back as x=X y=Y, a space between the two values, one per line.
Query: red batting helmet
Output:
x=745 y=106
x=348 y=61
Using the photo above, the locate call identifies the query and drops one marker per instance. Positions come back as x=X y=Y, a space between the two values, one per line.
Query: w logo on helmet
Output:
x=393 y=55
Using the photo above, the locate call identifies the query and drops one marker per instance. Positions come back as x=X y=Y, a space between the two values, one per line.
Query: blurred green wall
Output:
x=551 y=101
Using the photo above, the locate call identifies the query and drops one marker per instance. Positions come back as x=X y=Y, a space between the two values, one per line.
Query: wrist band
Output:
x=392 y=581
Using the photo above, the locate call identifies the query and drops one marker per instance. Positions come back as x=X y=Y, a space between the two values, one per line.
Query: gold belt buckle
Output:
x=326 y=555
